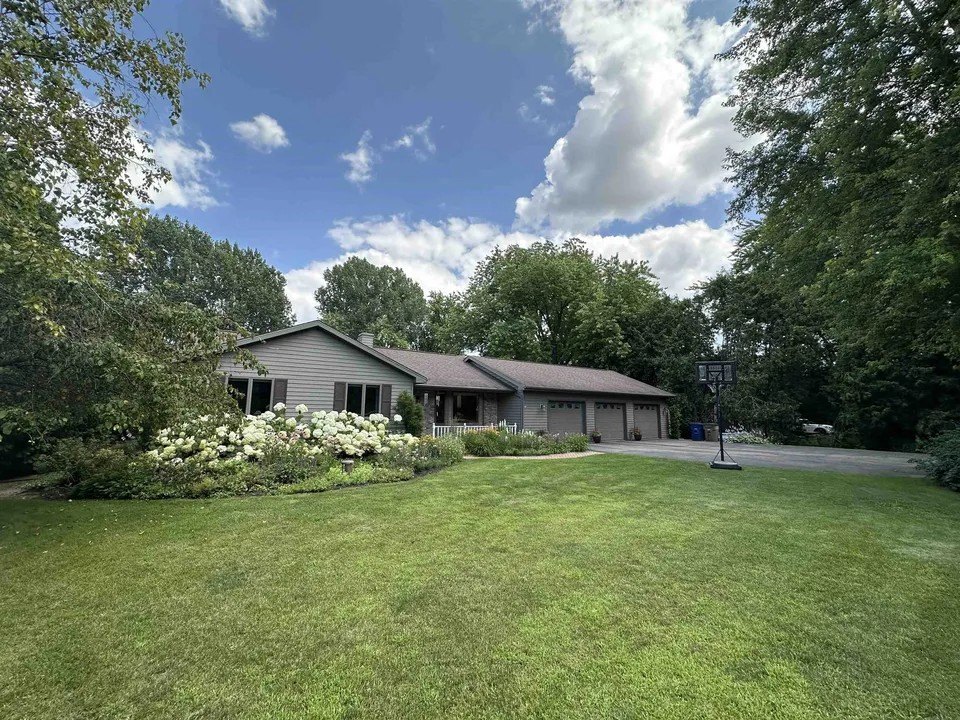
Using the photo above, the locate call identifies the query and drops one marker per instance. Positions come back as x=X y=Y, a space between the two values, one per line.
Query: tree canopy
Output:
x=75 y=79
x=358 y=296
x=183 y=264
x=80 y=355
x=848 y=204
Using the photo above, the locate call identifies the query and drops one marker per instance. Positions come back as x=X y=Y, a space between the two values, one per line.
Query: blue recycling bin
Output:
x=696 y=431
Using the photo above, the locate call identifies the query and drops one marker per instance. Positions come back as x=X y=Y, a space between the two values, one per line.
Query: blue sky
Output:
x=417 y=133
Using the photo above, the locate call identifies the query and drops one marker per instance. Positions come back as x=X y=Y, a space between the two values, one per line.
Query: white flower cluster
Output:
x=212 y=442
x=351 y=435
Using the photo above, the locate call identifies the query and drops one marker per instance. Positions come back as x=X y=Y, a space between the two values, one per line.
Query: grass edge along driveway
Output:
x=599 y=587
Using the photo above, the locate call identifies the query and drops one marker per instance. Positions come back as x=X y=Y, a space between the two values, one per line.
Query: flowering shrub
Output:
x=745 y=437
x=228 y=441
x=490 y=443
x=429 y=453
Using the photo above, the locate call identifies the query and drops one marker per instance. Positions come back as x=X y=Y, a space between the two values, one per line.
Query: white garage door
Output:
x=611 y=421
x=565 y=418
x=647 y=418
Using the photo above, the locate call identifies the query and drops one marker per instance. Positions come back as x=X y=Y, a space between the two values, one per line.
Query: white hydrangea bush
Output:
x=215 y=442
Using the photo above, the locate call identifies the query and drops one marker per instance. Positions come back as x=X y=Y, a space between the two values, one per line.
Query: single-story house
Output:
x=314 y=364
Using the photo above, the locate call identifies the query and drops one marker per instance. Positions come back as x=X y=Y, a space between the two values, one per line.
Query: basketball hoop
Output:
x=716 y=375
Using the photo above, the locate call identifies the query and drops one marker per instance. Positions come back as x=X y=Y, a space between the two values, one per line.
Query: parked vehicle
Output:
x=812 y=428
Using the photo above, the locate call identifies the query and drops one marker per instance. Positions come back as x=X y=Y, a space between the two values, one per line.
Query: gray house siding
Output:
x=312 y=361
x=510 y=408
x=535 y=407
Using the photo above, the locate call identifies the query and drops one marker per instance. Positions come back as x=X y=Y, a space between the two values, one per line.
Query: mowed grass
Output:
x=600 y=587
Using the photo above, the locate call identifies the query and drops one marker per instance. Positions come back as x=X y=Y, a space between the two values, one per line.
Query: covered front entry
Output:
x=566 y=417
x=611 y=420
x=646 y=417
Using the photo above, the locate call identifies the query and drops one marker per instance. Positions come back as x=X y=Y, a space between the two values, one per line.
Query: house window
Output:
x=355 y=399
x=363 y=399
x=466 y=409
x=371 y=399
x=260 y=396
x=253 y=395
x=238 y=390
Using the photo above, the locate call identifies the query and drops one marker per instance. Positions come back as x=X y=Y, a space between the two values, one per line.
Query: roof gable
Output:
x=323 y=327
x=446 y=371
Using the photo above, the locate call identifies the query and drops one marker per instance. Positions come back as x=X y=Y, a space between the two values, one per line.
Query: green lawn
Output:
x=600 y=587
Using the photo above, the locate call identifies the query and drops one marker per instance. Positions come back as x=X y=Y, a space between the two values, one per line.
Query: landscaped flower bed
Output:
x=492 y=443
x=205 y=441
x=231 y=454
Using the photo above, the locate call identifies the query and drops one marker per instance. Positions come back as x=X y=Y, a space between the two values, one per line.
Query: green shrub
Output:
x=575 y=443
x=943 y=461
x=412 y=413
x=81 y=469
x=90 y=469
x=491 y=443
x=675 y=426
x=403 y=457
x=190 y=482
x=284 y=465
x=363 y=473
x=434 y=453
x=484 y=443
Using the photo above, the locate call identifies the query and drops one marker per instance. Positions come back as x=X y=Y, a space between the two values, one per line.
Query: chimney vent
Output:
x=366 y=338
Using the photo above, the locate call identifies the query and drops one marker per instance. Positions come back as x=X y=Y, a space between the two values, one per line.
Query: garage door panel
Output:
x=646 y=416
x=610 y=420
x=565 y=417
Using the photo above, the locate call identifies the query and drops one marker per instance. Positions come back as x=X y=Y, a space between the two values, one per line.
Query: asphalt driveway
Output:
x=798 y=457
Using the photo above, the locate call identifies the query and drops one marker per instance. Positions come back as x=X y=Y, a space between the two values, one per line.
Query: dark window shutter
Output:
x=386 y=392
x=339 y=396
x=279 y=391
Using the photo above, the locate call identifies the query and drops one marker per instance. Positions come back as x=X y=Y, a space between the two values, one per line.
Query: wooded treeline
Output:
x=841 y=304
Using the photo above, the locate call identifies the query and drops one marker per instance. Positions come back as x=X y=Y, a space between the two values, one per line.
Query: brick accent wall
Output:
x=488 y=409
x=429 y=411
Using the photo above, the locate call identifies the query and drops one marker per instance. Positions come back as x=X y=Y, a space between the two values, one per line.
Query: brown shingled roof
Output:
x=445 y=371
x=542 y=376
x=484 y=373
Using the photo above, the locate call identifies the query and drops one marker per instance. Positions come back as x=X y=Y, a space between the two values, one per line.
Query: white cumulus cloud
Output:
x=416 y=138
x=545 y=95
x=653 y=131
x=360 y=162
x=262 y=133
x=442 y=255
x=251 y=14
x=189 y=167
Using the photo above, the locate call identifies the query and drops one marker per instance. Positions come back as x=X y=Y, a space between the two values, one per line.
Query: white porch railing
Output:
x=444 y=430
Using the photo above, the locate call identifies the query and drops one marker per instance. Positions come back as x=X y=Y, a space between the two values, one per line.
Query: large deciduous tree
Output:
x=855 y=107
x=75 y=79
x=78 y=355
x=183 y=264
x=524 y=302
x=358 y=296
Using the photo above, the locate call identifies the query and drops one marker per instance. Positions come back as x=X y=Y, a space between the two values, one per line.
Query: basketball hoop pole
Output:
x=720 y=422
